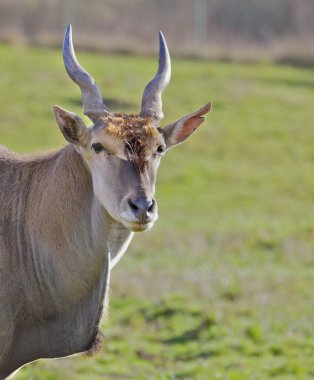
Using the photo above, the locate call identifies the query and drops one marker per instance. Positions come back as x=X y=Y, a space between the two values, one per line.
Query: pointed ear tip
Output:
x=208 y=106
x=58 y=110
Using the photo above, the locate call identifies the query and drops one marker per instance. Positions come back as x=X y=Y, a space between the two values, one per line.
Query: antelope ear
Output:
x=181 y=129
x=71 y=126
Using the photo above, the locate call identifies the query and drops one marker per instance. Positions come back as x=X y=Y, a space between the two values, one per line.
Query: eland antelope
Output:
x=67 y=217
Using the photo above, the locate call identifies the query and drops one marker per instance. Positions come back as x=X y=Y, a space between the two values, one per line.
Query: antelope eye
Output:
x=160 y=149
x=97 y=148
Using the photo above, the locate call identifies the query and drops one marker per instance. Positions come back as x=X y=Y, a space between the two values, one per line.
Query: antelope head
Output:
x=123 y=151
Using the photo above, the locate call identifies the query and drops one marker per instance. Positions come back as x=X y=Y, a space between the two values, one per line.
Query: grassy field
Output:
x=222 y=287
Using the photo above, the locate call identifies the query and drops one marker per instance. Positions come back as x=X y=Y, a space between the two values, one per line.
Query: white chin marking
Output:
x=138 y=227
x=130 y=222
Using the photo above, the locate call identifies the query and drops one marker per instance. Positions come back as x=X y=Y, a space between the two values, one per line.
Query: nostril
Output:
x=151 y=207
x=132 y=205
x=142 y=208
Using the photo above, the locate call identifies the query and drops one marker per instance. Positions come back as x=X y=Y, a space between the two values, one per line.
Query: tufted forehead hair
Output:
x=136 y=132
x=126 y=127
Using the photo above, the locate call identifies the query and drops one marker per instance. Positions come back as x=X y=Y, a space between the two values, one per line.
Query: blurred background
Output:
x=230 y=29
x=222 y=287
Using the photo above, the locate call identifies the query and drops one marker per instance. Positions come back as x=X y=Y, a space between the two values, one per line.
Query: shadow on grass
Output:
x=192 y=334
x=164 y=312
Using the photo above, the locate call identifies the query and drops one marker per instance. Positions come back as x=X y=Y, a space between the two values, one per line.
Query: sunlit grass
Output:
x=222 y=286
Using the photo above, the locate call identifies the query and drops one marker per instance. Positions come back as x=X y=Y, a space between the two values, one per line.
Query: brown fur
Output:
x=135 y=131
x=130 y=127
x=125 y=126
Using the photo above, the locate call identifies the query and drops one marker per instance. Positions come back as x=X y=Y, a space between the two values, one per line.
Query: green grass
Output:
x=222 y=287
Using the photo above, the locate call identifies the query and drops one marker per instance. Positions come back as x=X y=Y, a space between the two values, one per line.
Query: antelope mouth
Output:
x=137 y=220
x=138 y=226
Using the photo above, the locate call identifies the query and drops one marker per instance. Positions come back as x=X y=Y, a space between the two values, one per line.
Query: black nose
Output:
x=142 y=208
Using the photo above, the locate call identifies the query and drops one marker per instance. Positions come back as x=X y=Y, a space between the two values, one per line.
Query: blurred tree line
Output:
x=196 y=27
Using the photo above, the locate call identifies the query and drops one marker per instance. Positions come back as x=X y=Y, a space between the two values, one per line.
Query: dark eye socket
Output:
x=97 y=148
x=160 y=149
